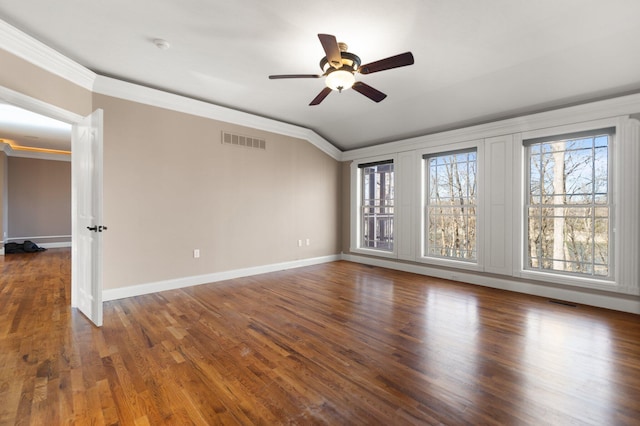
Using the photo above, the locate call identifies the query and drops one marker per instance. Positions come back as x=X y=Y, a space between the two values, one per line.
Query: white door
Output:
x=87 y=226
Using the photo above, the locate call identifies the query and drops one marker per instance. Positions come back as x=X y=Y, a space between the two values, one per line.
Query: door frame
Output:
x=40 y=107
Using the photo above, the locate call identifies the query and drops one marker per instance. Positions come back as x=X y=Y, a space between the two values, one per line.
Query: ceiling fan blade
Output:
x=325 y=92
x=330 y=46
x=371 y=93
x=396 y=61
x=278 y=76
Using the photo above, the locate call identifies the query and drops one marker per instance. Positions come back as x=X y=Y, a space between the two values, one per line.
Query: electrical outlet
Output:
x=299 y=243
x=196 y=253
x=308 y=241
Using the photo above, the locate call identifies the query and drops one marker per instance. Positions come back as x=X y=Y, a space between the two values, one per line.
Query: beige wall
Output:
x=19 y=75
x=171 y=186
x=39 y=199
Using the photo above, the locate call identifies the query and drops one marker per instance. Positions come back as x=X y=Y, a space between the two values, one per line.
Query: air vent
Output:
x=562 y=302
x=242 y=140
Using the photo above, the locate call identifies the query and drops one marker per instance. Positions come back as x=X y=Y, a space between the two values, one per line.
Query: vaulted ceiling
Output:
x=475 y=61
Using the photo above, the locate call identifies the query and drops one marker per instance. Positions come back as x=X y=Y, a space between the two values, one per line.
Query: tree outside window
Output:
x=568 y=204
x=451 y=200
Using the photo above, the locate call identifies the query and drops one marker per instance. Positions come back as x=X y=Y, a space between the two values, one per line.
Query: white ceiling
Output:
x=22 y=128
x=475 y=61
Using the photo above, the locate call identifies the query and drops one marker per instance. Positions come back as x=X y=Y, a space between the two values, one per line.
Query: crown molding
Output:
x=40 y=107
x=36 y=105
x=11 y=152
x=608 y=108
x=39 y=54
x=132 y=92
x=28 y=48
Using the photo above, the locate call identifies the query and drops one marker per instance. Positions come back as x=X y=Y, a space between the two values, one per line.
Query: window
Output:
x=568 y=204
x=376 y=207
x=450 y=205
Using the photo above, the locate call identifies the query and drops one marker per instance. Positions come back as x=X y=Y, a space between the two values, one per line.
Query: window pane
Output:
x=568 y=227
x=377 y=207
x=450 y=214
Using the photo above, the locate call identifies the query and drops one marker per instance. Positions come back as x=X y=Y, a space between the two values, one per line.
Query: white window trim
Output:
x=420 y=224
x=615 y=173
x=409 y=193
x=356 y=198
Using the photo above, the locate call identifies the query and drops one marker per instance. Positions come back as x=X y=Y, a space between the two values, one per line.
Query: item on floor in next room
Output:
x=26 y=247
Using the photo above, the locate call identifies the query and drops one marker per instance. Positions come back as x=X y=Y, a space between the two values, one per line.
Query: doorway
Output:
x=86 y=296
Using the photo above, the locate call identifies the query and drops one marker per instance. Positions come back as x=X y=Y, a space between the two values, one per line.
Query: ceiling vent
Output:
x=241 y=140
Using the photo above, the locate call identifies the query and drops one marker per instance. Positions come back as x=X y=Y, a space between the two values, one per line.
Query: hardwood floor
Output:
x=336 y=344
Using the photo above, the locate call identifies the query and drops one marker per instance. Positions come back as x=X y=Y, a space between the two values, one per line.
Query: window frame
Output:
x=426 y=213
x=521 y=234
x=356 y=237
x=421 y=244
x=528 y=206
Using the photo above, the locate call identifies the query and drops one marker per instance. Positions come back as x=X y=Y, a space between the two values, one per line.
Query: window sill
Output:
x=374 y=252
x=450 y=263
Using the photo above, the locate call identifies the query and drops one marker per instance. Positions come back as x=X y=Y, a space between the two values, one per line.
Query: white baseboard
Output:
x=62 y=244
x=617 y=302
x=138 y=290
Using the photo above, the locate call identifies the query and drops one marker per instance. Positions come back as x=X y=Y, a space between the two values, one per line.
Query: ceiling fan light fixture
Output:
x=340 y=80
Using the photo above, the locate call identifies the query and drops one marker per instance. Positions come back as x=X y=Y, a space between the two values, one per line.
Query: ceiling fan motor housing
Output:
x=349 y=61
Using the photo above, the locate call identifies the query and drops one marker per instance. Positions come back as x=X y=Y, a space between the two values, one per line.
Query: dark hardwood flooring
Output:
x=335 y=344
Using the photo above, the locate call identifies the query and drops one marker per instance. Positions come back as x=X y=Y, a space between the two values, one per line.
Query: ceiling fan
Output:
x=339 y=68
